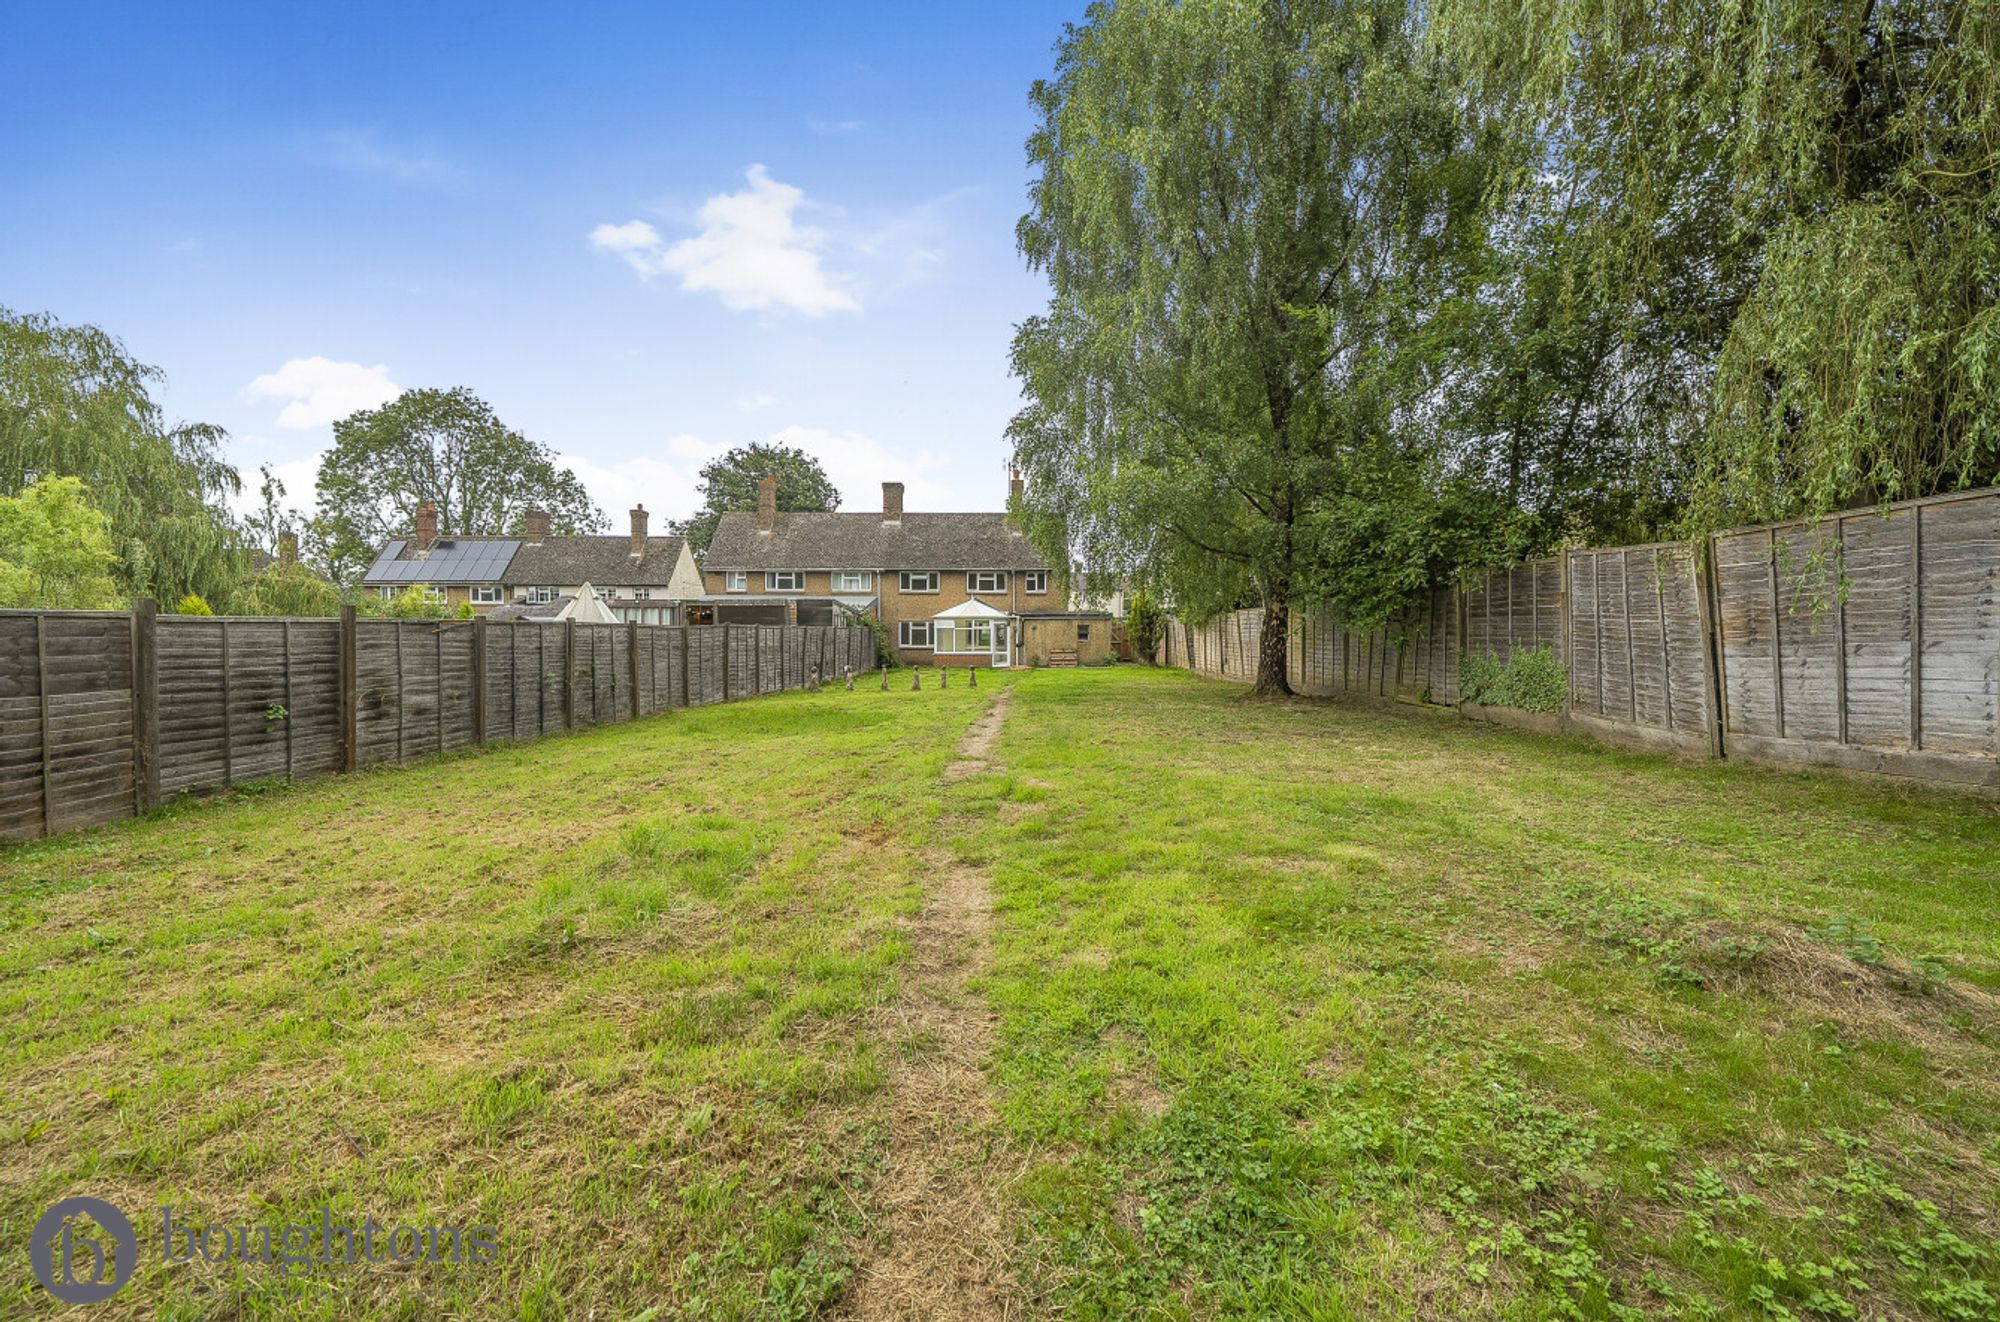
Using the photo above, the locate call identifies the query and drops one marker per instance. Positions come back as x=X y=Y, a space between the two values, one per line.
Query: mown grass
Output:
x=1306 y=1010
x=1326 y=1011
x=599 y=992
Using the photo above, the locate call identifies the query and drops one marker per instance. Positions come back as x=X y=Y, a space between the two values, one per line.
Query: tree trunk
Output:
x=1271 y=649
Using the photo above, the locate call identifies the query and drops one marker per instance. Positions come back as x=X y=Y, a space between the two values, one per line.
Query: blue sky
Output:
x=643 y=234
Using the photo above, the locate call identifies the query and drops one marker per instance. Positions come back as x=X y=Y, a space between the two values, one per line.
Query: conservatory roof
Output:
x=970 y=610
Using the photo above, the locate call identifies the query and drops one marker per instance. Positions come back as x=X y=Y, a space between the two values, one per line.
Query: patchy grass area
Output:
x=1325 y=1011
x=1305 y=1010
x=600 y=992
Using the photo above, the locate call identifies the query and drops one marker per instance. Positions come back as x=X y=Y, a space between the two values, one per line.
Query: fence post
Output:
x=479 y=679
x=42 y=688
x=145 y=705
x=1565 y=634
x=569 y=673
x=1710 y=617
x=228 y=736
x=1916 y=629
x=632 y=663
x=349 y=699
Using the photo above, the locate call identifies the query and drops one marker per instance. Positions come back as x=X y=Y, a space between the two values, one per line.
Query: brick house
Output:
x=638 y=577
x=954 y=589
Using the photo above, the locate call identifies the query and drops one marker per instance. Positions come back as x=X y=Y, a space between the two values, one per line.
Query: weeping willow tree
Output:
x=74 y=403
x=1784 y=221
x=1253 y=220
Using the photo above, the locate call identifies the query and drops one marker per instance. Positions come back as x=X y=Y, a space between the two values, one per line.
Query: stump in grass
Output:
x=812 y=680
x=850 y=679
x=885 y=679
x=972 y=677
x=916 y=679
x=944 y=677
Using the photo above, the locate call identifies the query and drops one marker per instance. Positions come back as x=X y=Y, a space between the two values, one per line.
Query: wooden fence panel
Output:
x=1959 y=710
x=22 y=809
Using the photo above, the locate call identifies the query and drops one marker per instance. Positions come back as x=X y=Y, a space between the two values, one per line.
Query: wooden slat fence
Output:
x=1869 y=641
x=104 y=714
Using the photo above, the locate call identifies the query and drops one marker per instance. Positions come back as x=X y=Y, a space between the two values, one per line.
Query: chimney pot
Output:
x=288 y=548
x=427 y=526
x=892 y=502
x=767 y=502
x=535 y=524
x=638 y=530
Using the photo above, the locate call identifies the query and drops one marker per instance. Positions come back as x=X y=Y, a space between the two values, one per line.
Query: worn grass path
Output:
x=1146 y=1000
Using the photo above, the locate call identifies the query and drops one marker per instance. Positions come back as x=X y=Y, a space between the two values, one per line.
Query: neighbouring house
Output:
x=637 y=577
x=954 y=589
x=585 y=606
x=453 y=571
x=641 y=578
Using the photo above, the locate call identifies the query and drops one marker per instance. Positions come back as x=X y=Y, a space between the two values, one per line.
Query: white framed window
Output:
x=784 y=580
x=910 y=582
x=642 y=594
x=486 y=594
x=738 y=580
x=963 y=637
x=1035 y=582
x=541 y=596
x=433 y=594
x=914 y=633
x=853 y=580
x=386 y=594
x=986 y=580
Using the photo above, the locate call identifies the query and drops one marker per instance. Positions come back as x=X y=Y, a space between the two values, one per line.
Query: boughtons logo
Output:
x=73 y=1264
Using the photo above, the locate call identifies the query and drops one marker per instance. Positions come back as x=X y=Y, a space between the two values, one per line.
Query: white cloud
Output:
x=321 y=390
x=362 y=152
x=299 y=476
x=750 y=253
x=752 y=403
x=858 y=465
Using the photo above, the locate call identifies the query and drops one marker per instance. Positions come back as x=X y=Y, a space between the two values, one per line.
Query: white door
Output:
x=1003 y=631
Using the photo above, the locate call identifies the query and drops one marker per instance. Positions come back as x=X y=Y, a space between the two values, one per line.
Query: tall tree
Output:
x=440 y=447
x=1785 y=212
x=730 y=483
x=55 y=549
x=73 y=401
x=1254 y=221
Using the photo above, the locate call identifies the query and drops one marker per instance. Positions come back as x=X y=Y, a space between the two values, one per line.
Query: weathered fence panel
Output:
x=104 y=713
x=1869 y=641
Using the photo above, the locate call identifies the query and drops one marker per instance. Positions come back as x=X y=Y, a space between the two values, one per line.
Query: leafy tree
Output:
x=1781 y=218
x=445 y=448
x=730 y=484
x=55 y=549
x=1259 y=225
x=74 y=401
x=1145 y=624
x=270 y=521
x=285 y=589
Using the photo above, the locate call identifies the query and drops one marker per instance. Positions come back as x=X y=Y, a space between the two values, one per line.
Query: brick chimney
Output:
x=767 y=502
x=427 y=526
x=892 y=502
x=638 y=531
x=535 y=524
x=288 y=548
x=1013 y=498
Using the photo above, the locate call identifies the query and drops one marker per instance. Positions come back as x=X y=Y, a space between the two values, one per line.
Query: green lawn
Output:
x=1304 y=1009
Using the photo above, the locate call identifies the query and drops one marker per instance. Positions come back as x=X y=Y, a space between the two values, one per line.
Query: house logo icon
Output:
x=76 y=1265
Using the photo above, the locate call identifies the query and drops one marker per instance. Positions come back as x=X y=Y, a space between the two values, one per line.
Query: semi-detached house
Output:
x=954 y=589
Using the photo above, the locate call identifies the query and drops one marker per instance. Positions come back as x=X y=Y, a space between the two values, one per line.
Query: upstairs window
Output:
x=853 y=580
x=433 y=594
x=739 y=581
x=785 y=580
x=541 y=596
x=485 y=594
x=1035 y=582
x=918 y=582
x=986 y=580
x=642 y=594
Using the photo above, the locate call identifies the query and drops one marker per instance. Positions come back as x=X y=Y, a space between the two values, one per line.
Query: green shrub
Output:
x=1531 y=680
x=885 y=643
x=1145 y=622
x=192 y=604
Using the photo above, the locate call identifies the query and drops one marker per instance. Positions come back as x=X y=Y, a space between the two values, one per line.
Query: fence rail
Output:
x=1869 y=641
x=105 y=714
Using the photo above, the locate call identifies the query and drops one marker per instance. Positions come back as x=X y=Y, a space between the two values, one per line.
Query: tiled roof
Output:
x=864 y=541
x=450 y=560
x=602 y=561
